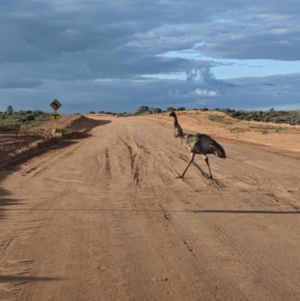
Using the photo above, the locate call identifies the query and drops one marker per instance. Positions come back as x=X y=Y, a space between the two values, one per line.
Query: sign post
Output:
x=55 y=105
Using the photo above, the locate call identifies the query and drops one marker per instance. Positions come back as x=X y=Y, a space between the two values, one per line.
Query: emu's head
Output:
x=172 y=114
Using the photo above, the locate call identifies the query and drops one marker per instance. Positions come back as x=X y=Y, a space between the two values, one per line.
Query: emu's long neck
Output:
x=177 y=128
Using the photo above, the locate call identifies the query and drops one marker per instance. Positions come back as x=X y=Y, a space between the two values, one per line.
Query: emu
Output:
x=197 y=144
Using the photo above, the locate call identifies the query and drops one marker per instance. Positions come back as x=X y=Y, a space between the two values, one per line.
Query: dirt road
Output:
x=106 y=219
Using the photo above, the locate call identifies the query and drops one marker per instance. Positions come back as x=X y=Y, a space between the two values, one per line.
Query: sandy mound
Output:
x=15 y=146
x=281 y=136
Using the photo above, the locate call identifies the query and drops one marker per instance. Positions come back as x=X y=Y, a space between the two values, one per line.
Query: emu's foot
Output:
x=209 y=176
x=179 y=177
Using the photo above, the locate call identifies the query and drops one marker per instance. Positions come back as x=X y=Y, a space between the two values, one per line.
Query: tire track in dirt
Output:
x=136 y=156
x=231 y=244
x=121 y=224
x=167 y=216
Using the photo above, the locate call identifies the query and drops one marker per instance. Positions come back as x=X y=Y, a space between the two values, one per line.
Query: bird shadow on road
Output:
x=213 y=181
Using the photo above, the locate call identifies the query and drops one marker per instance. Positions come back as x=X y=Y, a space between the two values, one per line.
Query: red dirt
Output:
x=103 y=216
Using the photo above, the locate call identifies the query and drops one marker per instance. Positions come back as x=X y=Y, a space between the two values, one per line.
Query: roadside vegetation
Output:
x=289 y=117
x=218 y=118
x=11 y=120
x=279 y=117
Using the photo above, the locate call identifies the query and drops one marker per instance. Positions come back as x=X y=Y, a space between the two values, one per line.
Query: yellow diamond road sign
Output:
x=55 y=117
x=55 y=104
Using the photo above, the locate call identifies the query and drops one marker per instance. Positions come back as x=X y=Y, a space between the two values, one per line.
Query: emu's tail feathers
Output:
x=218 y=150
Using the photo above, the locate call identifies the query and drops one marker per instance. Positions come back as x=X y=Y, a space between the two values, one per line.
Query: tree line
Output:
x=154 y=110
x=290 y=117
x=142 y=110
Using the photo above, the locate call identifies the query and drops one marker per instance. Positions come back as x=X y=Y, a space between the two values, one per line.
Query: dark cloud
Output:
x=94 y=55
x=18 y=83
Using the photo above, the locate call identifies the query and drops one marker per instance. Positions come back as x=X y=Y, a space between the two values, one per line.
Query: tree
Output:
x=9 y=110
x=156 y=110
x=142 y=110
x=181 y=109
x=170 y=109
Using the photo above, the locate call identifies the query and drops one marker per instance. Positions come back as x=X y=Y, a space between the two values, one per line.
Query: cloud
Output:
x=206 y=93
x=111 y=55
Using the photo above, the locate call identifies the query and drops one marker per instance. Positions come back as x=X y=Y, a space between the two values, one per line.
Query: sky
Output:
x=118 y=55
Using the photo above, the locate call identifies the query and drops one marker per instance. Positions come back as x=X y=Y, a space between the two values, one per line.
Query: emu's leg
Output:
x=190 y=161
x=207 y=163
